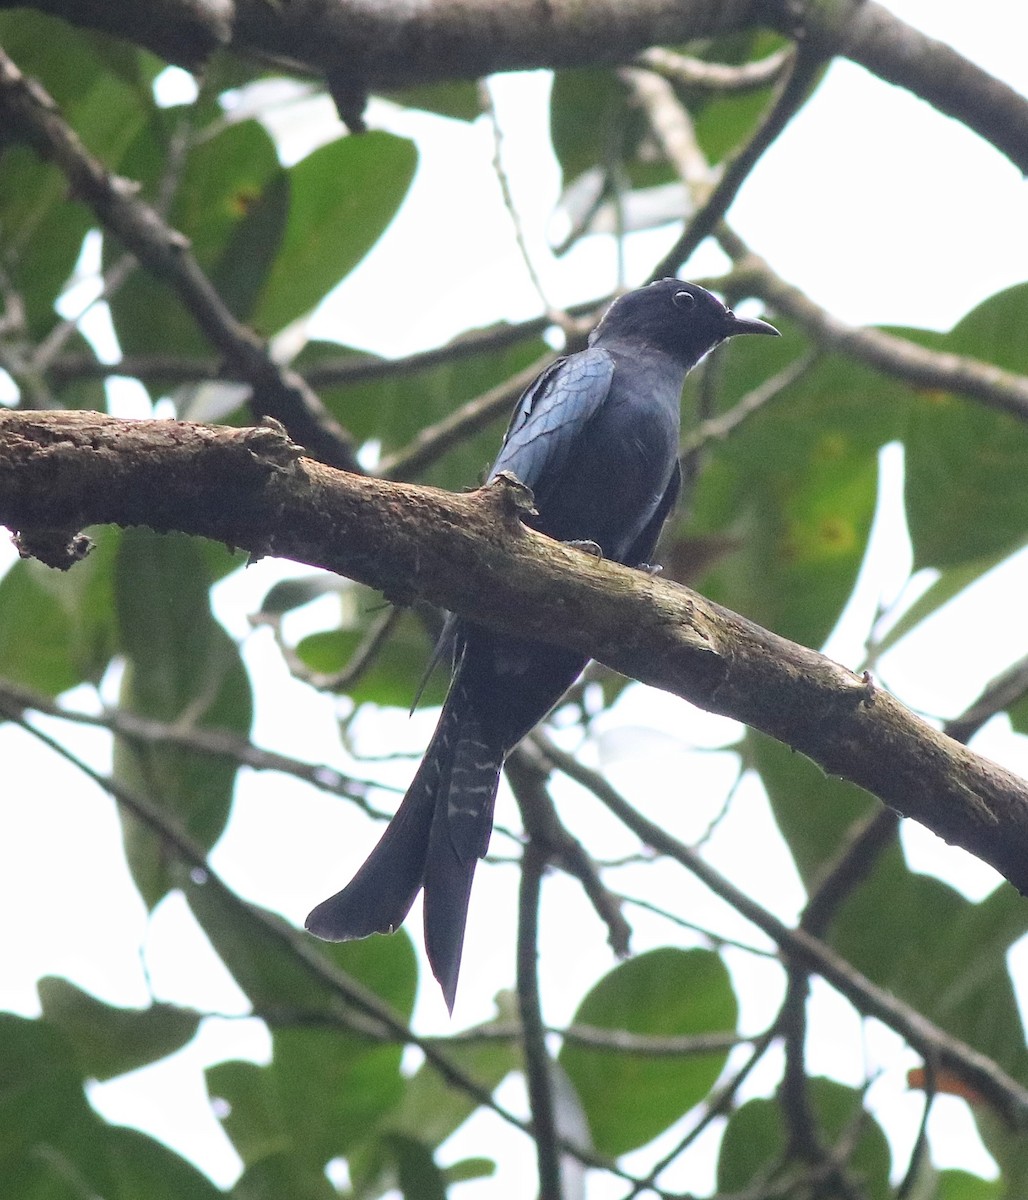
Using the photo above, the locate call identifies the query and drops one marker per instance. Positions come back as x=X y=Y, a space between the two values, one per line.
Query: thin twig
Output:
x=712 y=76
x=1009 y=687
x=931 y=370
x=359 y=663
x=537 y=1058
x=118 y=273
x=432 y=442
x=1007 y=1095
x=371 y=1015
x=526 y=771
x=717 y=429
x=217 y=743
x=385 y=1024
x=718 y=1104
x=334 y=371
x=716 y=940
x=503 y=180
x=919 y=1151
x=793 y=94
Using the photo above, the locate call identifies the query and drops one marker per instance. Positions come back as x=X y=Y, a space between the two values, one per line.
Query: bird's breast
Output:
x=617 y=473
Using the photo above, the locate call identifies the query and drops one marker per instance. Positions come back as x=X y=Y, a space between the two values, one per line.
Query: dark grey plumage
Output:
x=596 y=439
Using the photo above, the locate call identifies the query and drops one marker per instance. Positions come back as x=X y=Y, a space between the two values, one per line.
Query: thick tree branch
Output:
x=869 y=34
x=470 y=553
x=185 y=32
x=364 y=45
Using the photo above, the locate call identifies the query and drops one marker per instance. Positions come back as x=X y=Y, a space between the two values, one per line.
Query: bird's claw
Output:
x=587 y=547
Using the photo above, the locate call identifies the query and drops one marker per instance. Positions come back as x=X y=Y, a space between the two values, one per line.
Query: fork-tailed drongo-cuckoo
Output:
x=596 y=439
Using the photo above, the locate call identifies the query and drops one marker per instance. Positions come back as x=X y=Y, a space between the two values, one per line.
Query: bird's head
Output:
x=678 y=318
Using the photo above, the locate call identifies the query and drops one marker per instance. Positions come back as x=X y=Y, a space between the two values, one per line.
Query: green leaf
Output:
x=947 y=957
x=966 y=464
x=794 y=488
x=592 y=124
x=327 y=1087
x=145 y=1167
x=232 y=192
x=323 y=1093
x=42 y=230
x=42 y=235
x=355 y=1083
x=458 y=99
x=342 y=198
x=52 y=1144
x=469 y=1168
x=813 y=811
x=418 y=1177
x=40 y=1084
x=181 y=668
x=242 y=270
x=960 y=1185
x=965 y=471
x=290 y=594
x=109 y=1041
x=431 y=1109
x=1018 y=714
x=755 y=1141
x=248 y=1109
x=35 y=633
x=274 y=977
x=79 y=392
x=950 y=583
x=86 y=593
x=393 y=678
x=725 y=122
x=283 y=1176
x=43 y=46
x=629 y=1099
x=394 y=409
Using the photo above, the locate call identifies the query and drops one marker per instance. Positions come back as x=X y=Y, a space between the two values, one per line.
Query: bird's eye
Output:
x=684 y=300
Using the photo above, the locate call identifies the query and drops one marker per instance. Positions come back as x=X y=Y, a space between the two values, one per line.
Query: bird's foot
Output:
x=587 y=547
x=651 y=569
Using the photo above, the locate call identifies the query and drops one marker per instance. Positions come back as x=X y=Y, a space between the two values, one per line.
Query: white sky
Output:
x=881 y=210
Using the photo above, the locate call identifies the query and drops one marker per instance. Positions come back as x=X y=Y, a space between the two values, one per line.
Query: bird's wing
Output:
x=551 y=415
x=641 y=552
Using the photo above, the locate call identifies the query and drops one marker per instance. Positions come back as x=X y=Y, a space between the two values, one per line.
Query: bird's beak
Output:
x=734 y=325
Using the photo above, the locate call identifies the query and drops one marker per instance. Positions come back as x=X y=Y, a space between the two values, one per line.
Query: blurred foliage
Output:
x=784 y=508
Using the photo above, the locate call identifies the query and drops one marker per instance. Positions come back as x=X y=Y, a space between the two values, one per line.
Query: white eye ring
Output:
x=683 y=300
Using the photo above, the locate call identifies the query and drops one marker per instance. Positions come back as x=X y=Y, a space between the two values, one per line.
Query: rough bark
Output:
x=367 y=45
x=470 y=553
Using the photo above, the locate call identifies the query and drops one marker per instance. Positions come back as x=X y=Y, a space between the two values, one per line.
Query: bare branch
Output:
x=364 y=45
x=914 y=365
x=250 y=488
x=432 y=442
x=716 y=77
x=1006 y=1094
x=537 y=1058
x=527 y=770
x=793 y=92
x=869 y=34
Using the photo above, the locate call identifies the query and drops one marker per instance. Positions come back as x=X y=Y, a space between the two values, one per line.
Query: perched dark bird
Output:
x=596 y=439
